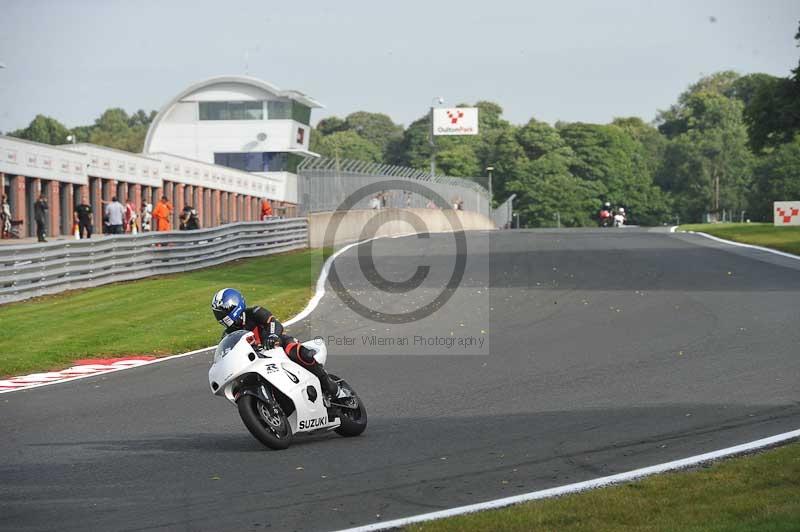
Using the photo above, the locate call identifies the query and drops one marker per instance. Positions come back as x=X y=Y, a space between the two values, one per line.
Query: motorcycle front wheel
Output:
x=267 y=423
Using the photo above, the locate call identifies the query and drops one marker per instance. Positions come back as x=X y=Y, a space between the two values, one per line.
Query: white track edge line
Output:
x=319 y=292
x=583 y=486
x=743 y=245
x=105 y=372
x=751 y=246
x=309 y=308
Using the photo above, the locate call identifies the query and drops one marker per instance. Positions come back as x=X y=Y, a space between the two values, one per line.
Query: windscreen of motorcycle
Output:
x=227 y=344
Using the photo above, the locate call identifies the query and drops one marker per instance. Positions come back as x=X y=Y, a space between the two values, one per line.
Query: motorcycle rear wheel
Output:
x=267 y=423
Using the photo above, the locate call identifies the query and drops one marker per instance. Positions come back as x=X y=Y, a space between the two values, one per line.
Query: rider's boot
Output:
x=329 y=386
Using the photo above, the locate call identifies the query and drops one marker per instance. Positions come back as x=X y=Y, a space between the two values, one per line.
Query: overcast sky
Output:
x=572 y=60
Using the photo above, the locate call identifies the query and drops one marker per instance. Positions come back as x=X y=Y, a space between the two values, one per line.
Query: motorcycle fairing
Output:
x=289 y=378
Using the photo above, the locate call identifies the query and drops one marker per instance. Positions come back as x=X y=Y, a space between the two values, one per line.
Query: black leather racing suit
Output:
x=267 y=329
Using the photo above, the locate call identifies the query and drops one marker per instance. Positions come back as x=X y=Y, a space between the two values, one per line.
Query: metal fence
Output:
x=324 y=184
x=502 y=216
x=31 y=270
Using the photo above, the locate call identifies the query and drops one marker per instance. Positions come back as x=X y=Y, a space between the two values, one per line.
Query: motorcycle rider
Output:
x=605 y=214
x=619 y=218
x=231 y=311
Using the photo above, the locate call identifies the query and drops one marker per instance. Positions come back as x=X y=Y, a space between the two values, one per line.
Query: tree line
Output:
x=729 y=146
x=115 y=128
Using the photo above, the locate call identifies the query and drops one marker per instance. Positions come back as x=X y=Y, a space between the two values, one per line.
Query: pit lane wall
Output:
x=336 y=228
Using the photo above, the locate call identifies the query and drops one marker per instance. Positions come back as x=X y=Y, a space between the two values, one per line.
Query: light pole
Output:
x=434 y=101
x=490 y=169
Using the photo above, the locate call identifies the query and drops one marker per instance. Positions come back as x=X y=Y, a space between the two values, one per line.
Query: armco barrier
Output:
x=32 y=270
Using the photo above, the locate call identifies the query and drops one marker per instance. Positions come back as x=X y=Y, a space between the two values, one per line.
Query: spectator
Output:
x=162 y=214
x=130 y=217
x=375 y=202
x=147 y=216
x=266 y=209
x=189 y=219
x=115 y=212
x=40 y=209
x=5 y=218
x=83 y=217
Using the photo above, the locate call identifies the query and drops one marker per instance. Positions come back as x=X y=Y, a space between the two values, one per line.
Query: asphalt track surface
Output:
x=608 y=351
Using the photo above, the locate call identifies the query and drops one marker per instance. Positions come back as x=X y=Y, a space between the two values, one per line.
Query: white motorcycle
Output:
x=278 y=398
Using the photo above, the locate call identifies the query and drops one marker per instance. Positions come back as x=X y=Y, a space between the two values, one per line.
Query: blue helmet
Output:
x=228 y=306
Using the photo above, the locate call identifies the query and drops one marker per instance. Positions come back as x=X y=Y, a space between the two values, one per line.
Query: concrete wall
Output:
x=359 y=224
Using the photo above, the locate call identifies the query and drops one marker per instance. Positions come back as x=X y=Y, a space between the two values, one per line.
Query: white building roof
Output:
x=256 y=83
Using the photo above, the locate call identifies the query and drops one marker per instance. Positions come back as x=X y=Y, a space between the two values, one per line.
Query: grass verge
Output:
x=756 y=492
x=767 y=235
x=155 y=316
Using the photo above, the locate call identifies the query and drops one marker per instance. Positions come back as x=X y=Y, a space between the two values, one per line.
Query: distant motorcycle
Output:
x=619 y=217
x=278 y=398
x=606 y=220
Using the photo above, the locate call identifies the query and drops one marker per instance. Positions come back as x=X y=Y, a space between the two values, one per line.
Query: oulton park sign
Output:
x=455 y=121
x=787 y=212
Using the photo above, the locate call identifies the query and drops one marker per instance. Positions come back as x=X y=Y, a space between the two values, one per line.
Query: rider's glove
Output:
x=272 y=341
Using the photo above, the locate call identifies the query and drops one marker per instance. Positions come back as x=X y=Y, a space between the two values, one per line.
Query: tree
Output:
x=773 y=113
x=377 y=128
x=348 y=145
x=330 y=125
x=142 y=118
x=458 y=160
x=673 y=121
x=707 y=167
x=506 y=157
x=623 y=156
x=650 y=145
x=492 y=127
x=546 y=188
x=415 y=147
x=746 y=87
x=602 y=153
x=547 y=191
x=538 y=138
x=116 y=129
x=775 y=178
x=82 y=133
x=43 y=129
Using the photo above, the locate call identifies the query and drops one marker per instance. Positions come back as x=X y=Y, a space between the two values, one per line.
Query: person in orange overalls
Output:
x=162 y=214
x=266 y=210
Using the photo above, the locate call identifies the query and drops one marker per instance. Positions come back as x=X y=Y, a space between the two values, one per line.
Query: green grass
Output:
x=759 y=492
x=767 y=235
x=156 y=316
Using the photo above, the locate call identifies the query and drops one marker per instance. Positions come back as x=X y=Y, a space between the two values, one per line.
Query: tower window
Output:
x=231 y=110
